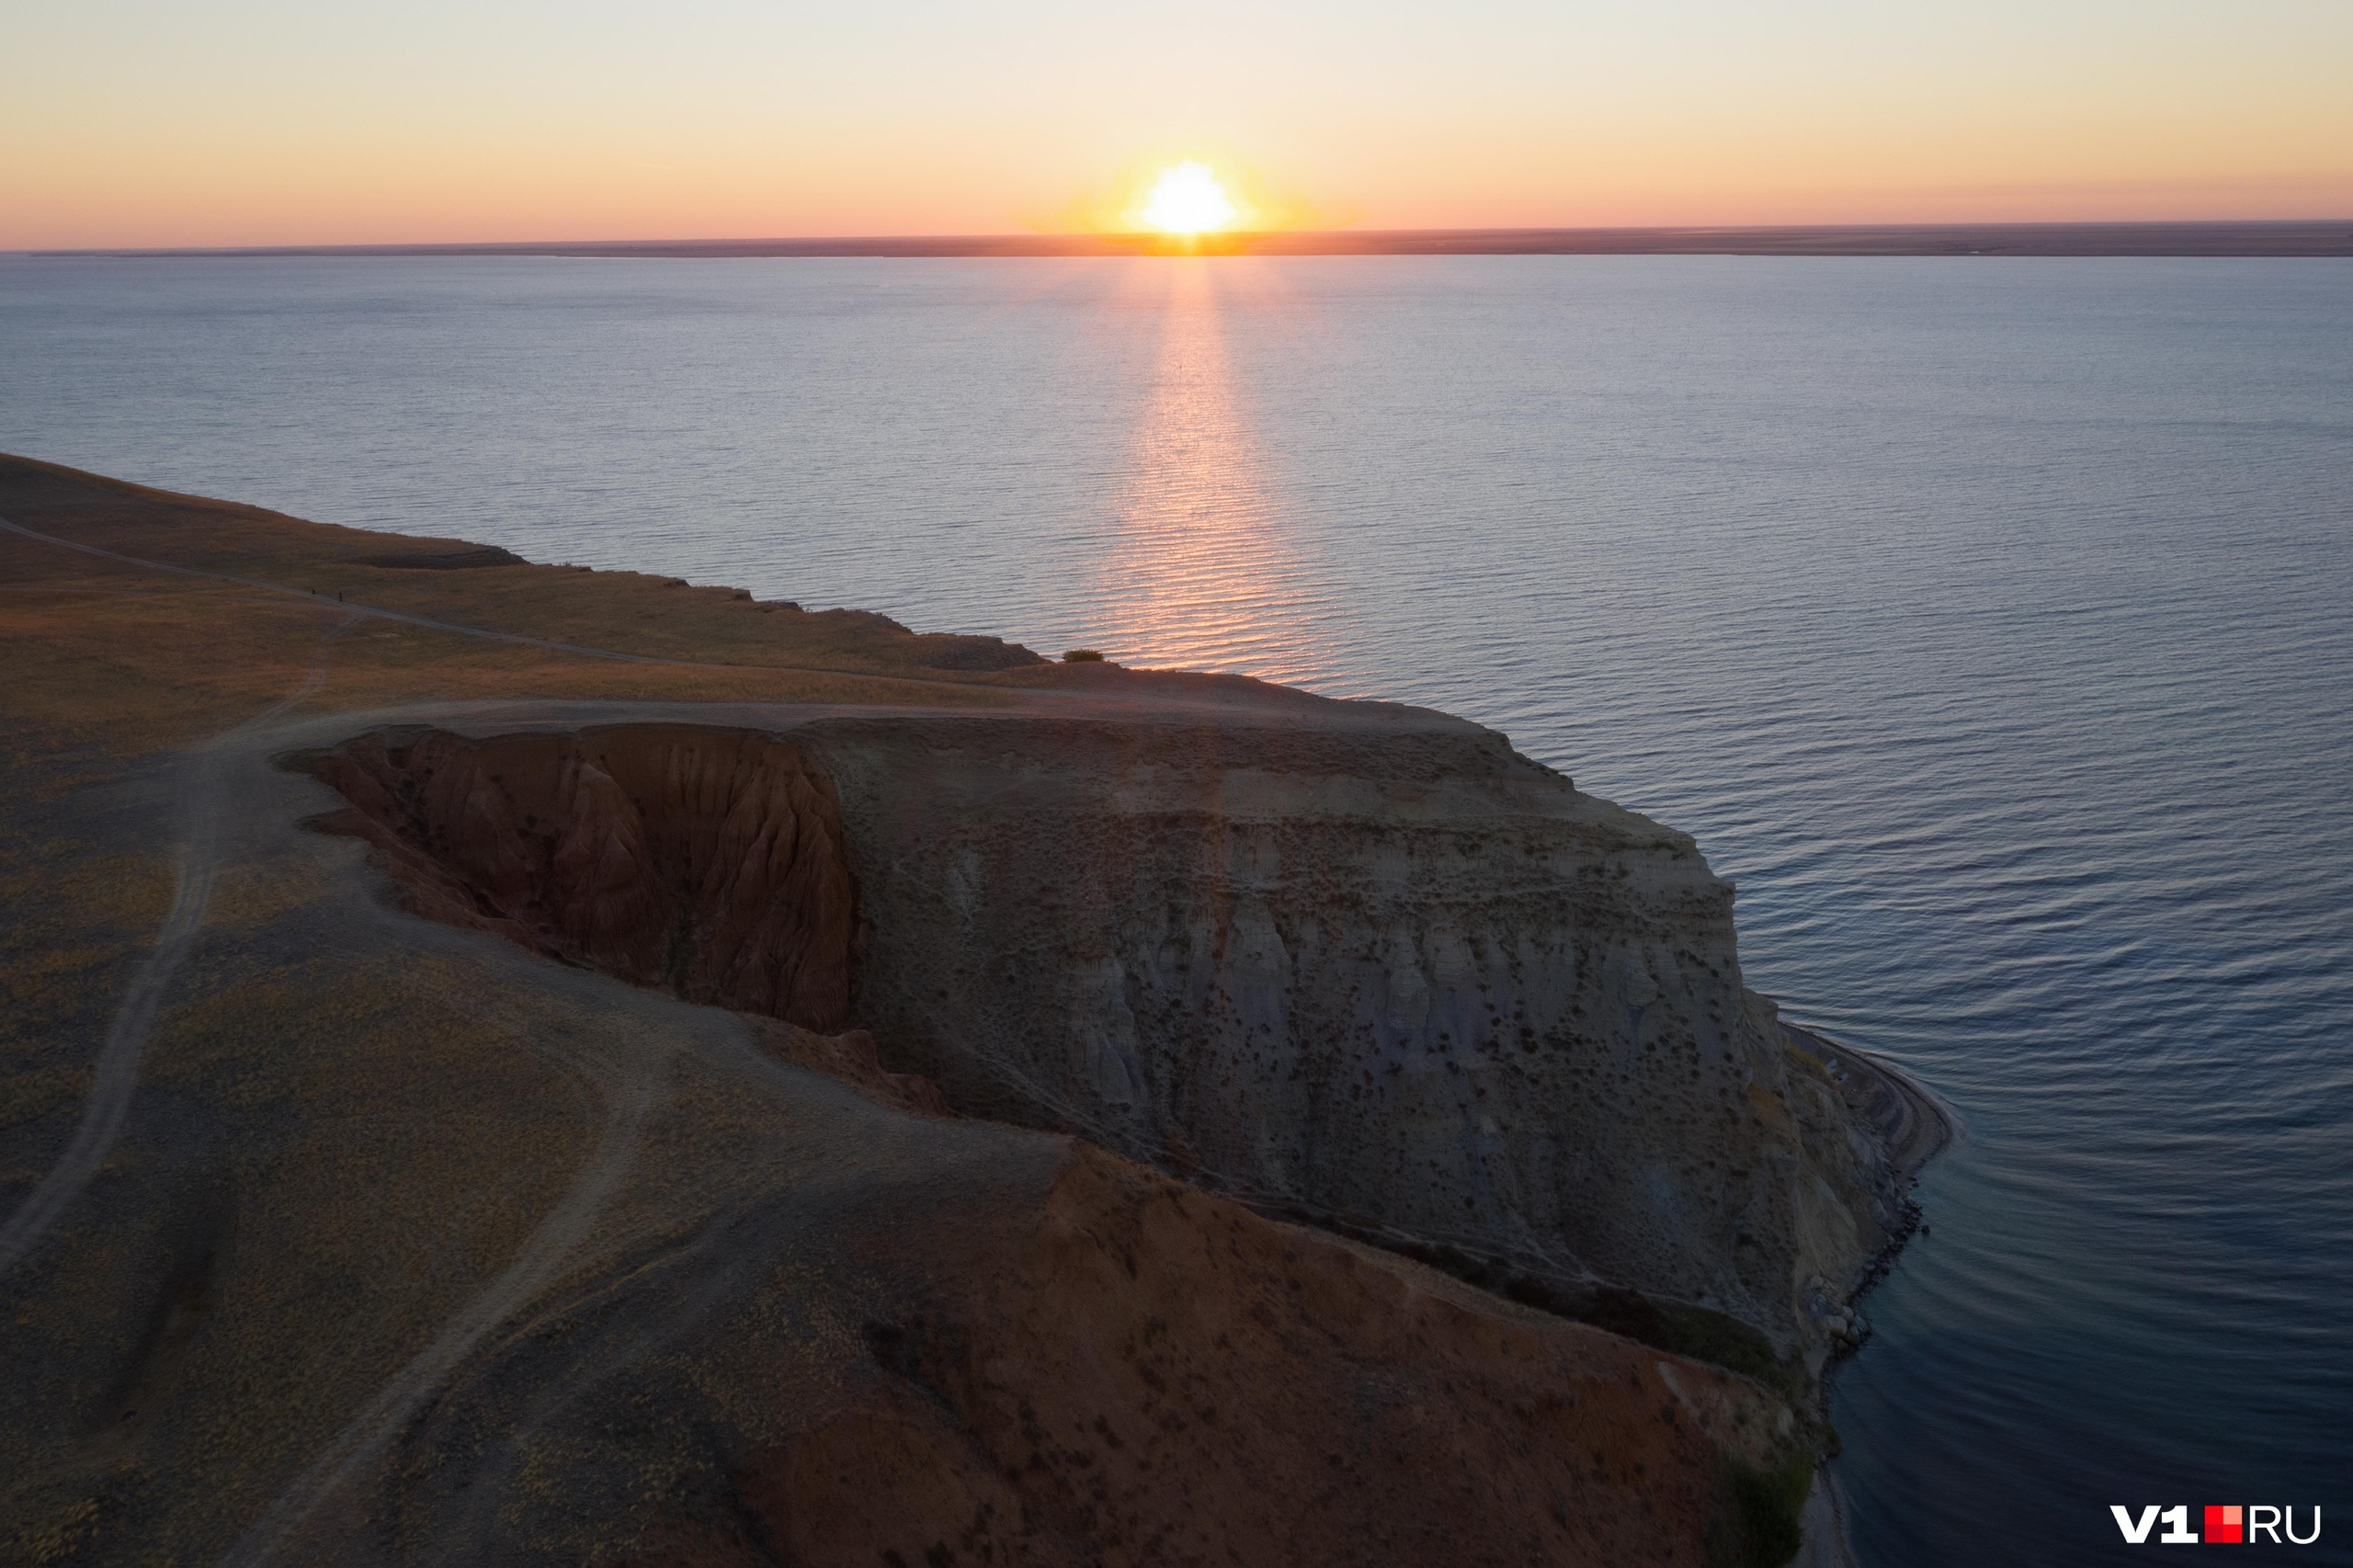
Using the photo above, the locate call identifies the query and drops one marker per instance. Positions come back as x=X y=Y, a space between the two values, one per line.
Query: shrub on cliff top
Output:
x=1761 y=1527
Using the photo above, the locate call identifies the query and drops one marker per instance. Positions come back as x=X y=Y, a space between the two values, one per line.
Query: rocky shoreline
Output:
x=1913 y=1122
x=1915 y=1127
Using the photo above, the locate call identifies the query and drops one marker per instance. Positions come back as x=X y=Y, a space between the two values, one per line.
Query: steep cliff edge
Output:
x=1376 y=971
x=710 y=863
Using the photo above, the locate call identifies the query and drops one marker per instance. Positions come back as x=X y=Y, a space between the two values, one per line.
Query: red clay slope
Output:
x=708 y=862
x=1164 y=1377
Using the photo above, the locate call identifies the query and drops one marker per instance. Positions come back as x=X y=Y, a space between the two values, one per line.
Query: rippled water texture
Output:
x=1991 y=622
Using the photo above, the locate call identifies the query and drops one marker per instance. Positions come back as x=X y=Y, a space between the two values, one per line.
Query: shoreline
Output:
x=1916 y=1125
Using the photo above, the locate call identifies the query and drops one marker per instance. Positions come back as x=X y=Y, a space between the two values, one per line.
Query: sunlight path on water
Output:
x=1202 y=568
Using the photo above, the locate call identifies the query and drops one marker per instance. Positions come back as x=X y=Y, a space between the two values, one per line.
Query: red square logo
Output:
x=2222 y=1524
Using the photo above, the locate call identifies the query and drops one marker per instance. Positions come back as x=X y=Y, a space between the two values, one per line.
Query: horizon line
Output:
x=2182 y=237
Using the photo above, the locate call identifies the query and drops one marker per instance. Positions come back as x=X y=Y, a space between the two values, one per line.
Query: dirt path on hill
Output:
x=630 y=1085
x=204 y=798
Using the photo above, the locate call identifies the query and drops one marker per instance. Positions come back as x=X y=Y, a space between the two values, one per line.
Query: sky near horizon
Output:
x=226 y=123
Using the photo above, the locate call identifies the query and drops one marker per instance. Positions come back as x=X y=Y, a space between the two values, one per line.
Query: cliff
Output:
x=1371 y=969
x=733 y=1085
x=1367 y=968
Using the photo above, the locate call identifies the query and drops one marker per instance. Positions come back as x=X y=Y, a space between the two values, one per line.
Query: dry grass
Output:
x=122 y=659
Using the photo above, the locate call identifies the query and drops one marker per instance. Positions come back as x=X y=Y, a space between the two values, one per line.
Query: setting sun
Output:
x=1188 y=199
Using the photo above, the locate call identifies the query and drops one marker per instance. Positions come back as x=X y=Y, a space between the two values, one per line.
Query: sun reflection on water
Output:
x=1205 y=570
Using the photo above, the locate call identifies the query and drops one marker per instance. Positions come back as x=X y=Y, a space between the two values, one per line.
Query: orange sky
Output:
x=263 y=121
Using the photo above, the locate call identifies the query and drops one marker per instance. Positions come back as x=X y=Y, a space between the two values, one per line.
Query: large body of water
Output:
x=1989 y=621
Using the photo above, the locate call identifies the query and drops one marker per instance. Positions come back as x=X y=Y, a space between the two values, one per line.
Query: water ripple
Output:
x=1990 y=624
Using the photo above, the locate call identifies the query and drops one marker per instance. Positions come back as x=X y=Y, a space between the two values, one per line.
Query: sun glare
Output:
x=1188 y=199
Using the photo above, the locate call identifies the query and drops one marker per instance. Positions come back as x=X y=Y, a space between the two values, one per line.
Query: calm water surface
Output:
x=1990 y=623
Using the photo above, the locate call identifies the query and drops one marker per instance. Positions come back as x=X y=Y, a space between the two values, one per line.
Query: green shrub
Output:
x=1687 y=1330
x=1760 y=1527
x=1082 y=656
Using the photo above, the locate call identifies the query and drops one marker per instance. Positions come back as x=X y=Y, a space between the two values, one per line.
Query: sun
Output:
x=1188 y=199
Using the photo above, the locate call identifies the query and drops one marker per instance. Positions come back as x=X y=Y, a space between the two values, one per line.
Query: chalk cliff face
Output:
x=1387 y=976
x=1399 y=978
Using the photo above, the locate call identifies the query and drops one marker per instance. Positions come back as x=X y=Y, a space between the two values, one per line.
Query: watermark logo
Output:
x=2236 y=1524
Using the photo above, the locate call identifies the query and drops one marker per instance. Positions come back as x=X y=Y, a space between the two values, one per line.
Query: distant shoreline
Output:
x=2302 y=237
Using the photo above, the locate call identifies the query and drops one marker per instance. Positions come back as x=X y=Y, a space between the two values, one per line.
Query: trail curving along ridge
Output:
x=629 y=1091
x=117 y=1077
